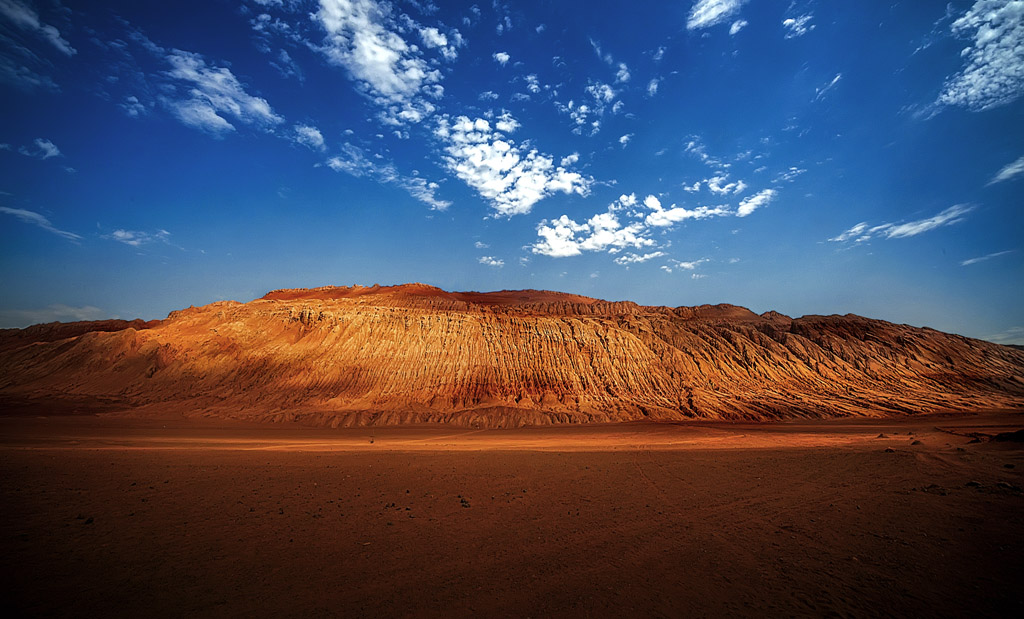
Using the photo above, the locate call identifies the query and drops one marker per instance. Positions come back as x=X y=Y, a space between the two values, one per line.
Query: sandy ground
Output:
x=107 y=516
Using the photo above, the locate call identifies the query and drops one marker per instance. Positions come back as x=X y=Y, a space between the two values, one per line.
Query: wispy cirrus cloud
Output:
x=354 y=160
x=797 y=26
x=1008 y=172
x=863 y=232
x=138 y=238
x=36 y=219
x=25 y=18
x=997 y=254
x=209 y=95
x=707 y=13
x=41 y=148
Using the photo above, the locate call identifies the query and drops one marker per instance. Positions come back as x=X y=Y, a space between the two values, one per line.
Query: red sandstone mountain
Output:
x=415 y=353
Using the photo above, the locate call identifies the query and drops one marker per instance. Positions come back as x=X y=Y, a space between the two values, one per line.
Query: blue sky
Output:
x=809 y=157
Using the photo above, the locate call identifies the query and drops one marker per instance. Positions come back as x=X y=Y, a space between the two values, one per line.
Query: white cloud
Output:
x=737 y=25
x=707 y=13
x=212 y=94
x=652 y=87
x=133 y=107
x=752 y=203
x=819 y=93
x=309 y=136
x=797 y=26
x=862 y=232
x=624 y=140
x=986 y=257
x=362 y=38
x=719 y=185
x=501 y=58
x=588 y=114
x=1009 y=171
x=661 y=218
x=488 y=95
x=994 y=74
x=638 y=258
x=511 y=178
x=564 y=237
x=689 y=266
x=532 y=83
x=622 y=74
x=25 y=18
x=354 y=161
x=481 y=245
x=31 y=217
x=58 y=312
x=491 y=261
x=1013 y=335
x=136 y=238
x=41 y=149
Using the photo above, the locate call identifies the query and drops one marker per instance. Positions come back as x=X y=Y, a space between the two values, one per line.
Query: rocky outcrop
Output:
x=414 y=353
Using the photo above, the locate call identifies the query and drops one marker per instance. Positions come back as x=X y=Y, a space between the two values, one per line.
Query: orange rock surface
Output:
x=418 y=354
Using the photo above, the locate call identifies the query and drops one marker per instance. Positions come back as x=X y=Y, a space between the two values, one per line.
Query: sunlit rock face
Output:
x=417 y=354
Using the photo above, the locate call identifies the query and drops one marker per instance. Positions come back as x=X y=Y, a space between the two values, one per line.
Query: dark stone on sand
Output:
x=1014 y=437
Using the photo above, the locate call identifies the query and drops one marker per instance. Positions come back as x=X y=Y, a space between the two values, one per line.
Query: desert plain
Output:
x=114 y=515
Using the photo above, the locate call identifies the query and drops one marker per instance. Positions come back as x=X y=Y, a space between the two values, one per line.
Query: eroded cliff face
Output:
x=413 y=354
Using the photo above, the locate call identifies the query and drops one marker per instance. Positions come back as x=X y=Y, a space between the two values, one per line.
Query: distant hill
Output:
x=418 y=354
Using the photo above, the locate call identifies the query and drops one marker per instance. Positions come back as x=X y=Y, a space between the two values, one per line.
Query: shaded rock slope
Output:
x=415 y=354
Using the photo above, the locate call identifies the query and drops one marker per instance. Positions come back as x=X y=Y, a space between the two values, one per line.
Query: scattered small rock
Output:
x=464 y=502
x=973 y=484
x=88 y=520
x=882 y=436
x=1009 y=466
x=1005 y=485
x=916 y=443
x=889 y=450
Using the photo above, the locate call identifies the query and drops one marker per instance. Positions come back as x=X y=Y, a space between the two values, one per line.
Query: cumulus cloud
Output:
x=491 y=261
x=58 y=312
x=1009 y=171
x=994 y=73
x=652 y=87
x=797 y=26
x=363 y=37
x=706 y=13
x=353 y=160
x=750 y=204
x=510 y=177
x=41 y=149
x=737 y=25
x=624 y=140
x=863 y=232
x=719 y=185
x=35 y=219
x=587 y=114
x=501 y=58
x=605 y=232
x=564 y=237
x=622 y=73
x=213 y=94
x=309 y=136
x=25 y=18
